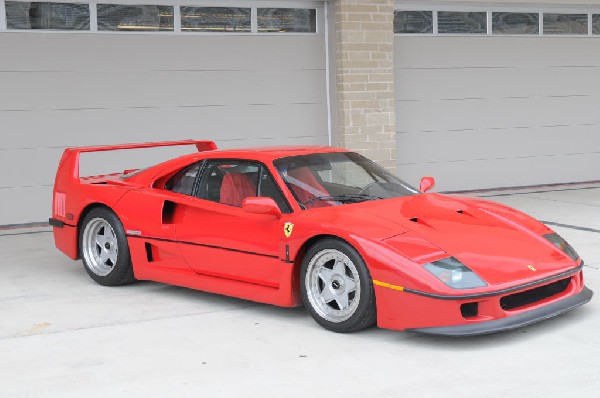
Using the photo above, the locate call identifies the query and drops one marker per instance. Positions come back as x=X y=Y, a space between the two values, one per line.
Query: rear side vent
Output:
x=167 y=212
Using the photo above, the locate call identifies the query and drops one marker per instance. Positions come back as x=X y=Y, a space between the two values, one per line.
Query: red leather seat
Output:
x=235 y=188
x=306 y=187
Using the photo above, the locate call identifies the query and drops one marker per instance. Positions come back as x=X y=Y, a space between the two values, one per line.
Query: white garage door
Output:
x=493 y=110
x=60 y=89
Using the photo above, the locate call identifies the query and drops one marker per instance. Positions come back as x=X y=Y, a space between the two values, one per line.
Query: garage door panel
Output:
x=420 y=147
x=439 y=52
x=460 y=83
x=80 y=90
x=113 y=52
x=106 y=126
x=492 y=111
x=322 y=139
x=444 y=115
x=464 y=175
x=21 y=205
x=24 y=167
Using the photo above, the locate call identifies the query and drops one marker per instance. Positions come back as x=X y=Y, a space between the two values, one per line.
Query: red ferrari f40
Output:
x=321 y=227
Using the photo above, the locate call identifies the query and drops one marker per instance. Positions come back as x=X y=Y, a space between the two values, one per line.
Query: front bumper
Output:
x=513 y=321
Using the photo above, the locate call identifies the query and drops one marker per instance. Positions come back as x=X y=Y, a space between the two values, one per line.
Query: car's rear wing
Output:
x=69 y=163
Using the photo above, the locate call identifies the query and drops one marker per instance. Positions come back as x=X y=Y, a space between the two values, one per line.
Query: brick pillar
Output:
x=364 y=55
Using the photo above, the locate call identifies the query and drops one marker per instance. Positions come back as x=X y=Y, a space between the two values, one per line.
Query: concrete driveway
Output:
x=63 y=335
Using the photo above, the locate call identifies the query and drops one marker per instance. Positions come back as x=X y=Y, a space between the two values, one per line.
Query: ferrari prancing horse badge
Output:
x=287 y=229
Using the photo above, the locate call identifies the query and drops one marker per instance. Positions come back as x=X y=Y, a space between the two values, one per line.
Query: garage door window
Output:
x=596 y=24
x=413 y=22
x=215 y=19
x=51 y=16
x=565 y=24
x=144 y=18
x=287 y=20
x=462 y=22
x=515 y=23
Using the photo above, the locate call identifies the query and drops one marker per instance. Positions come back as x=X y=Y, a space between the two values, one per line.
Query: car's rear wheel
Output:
x=336 y=287
x=104 y=249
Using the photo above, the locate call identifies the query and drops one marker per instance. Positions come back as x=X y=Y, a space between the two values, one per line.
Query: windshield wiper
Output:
x=357 y=197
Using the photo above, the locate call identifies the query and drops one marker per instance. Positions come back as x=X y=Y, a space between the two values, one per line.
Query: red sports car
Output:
x=317 y=226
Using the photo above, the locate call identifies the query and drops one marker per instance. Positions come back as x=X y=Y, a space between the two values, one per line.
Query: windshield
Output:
x=333 y=179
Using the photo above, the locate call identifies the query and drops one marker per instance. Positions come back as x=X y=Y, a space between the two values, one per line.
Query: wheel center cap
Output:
x=337 y=283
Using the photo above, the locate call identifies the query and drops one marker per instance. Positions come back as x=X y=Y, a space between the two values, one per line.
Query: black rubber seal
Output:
x=203 y=245
x=56 y=223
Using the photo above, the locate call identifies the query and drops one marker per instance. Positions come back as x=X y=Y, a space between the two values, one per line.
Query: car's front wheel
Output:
x=336 y=287
x=104 y=249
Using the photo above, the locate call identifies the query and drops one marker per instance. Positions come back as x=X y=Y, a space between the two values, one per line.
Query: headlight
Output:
x=562 y=244
x=454 y=274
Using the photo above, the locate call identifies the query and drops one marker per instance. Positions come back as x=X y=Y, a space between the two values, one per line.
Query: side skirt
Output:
x=281 y=296
x=173 y=271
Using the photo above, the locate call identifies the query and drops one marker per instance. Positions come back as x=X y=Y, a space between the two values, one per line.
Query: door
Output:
x=218 y=238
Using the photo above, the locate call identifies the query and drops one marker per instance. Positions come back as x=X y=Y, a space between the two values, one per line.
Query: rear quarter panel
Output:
x=79 y=198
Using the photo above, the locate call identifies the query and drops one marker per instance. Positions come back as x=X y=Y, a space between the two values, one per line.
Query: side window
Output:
x=229 y=181
x=183 y=181
x=268 y=188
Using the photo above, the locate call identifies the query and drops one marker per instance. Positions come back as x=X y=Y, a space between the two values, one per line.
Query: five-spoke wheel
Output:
x=100 y=247
x=333 y=290
x=104 y=250
x=336 y=287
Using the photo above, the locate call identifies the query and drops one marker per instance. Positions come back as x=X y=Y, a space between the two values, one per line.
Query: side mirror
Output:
x=261 y=205
x=427 y=183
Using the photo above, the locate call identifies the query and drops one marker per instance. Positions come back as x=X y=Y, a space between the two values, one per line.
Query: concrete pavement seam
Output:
x=586 y=229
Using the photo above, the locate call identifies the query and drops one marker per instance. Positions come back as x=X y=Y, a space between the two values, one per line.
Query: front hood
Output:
x=498 y=243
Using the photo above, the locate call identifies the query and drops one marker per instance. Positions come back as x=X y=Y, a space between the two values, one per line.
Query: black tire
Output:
x=115 y=269
x=331 y=314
